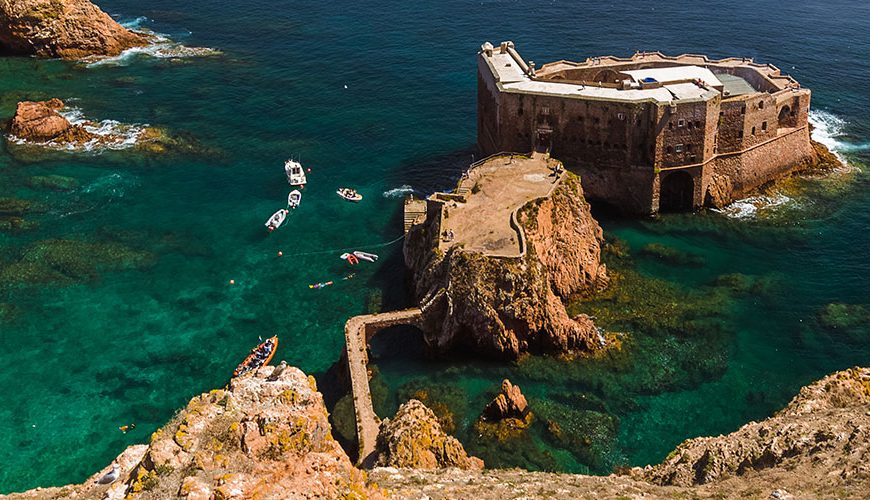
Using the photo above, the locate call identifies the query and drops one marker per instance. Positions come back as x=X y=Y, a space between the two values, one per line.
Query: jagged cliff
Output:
x=259 y=438
x=263 y=438
x=503 y=306
x=69 y=29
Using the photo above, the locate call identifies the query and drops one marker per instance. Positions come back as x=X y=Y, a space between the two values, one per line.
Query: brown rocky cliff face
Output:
x=69 y=29
x=414 y=439
x=502 y=307
x=827 y=424
x=257 y=439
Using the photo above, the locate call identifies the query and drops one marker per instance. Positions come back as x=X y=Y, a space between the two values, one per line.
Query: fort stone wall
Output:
x=646 y=146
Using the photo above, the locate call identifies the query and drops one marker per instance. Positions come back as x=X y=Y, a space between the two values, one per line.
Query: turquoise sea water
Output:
x=381 y=95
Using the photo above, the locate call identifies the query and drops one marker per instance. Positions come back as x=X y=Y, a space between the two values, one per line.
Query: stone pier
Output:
x=358 y=331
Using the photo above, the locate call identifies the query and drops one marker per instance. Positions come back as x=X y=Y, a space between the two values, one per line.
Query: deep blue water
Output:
x=380 y=95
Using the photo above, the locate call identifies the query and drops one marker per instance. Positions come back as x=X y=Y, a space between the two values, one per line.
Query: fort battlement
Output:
x=649 y=132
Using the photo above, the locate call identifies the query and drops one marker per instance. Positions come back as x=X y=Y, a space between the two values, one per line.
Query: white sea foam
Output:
x=749 y=208
x=161 y=47
x=111 y=134
x=399 y=192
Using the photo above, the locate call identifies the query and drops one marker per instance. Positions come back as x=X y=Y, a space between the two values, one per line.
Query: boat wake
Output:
x=399 y=192
x=161 y=47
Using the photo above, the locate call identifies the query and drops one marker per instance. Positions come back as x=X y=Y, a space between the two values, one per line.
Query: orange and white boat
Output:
x=260 y=356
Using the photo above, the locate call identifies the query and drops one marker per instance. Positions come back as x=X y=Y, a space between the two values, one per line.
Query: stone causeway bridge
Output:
x=358 y=331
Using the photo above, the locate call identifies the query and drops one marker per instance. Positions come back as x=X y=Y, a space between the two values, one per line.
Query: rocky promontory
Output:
x=68 y=29
x=502 y=305
x=262 y=437
x=414 y=439
x=269 y=437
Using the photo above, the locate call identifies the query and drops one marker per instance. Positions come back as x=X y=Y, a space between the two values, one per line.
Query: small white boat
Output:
x=349 y=194
x=294 y=199
x=276 y=220
x=366 y=256
x=295 y=173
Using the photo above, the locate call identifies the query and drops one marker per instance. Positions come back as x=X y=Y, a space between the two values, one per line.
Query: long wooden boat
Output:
x=260 y=356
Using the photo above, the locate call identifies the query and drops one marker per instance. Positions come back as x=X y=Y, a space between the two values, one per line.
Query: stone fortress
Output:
x=651 y=132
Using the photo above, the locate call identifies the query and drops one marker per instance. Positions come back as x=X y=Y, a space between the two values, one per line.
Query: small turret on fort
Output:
x=651 y=132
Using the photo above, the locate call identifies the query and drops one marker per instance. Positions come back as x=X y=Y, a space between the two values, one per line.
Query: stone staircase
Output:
x=415 y=213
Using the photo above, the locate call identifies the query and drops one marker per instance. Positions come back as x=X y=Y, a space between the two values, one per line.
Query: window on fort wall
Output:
x=764 y=126
x=681 y=123
x=678 y=148
x=689 y=125
x=670 y=126
x=743 y=110
x=760 y=104
x=697 y=124
x=689 y=148
x=669 y=150
x=753 y=130
x=740 y=135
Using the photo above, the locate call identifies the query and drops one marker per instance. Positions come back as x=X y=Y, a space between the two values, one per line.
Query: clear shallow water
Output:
x=134 y=345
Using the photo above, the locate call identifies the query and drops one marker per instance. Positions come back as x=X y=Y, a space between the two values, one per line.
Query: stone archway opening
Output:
x=784 y=116
x=677 y=192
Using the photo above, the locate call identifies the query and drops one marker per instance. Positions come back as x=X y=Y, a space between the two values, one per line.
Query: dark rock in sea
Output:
x=53 y=182
x=849 y=320
x=70 y=261
x=509 y=403
x=68 y=29
x=672 y=256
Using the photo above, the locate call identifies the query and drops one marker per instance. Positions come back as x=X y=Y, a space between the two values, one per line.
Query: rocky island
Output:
x=493 y=261
x=67 y=29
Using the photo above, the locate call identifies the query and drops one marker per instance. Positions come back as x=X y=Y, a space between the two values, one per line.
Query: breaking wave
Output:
x=748 y=208
x=109 y=134
x=829 y=130
x=161 y=47
x=399 y=192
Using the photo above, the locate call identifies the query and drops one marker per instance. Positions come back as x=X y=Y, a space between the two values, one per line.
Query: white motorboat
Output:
x=295 y=173
x=276 y=220
x=294 y=198
x=349 y=194
x=366 y=256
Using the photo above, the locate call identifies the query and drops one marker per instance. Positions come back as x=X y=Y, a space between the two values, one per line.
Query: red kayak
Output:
x=260 y=356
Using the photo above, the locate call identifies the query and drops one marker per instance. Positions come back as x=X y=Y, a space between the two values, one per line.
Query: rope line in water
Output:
x=348 y=249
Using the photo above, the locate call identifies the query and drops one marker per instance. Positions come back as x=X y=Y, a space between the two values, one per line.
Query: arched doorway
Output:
x=785 y=117
x=677 y=192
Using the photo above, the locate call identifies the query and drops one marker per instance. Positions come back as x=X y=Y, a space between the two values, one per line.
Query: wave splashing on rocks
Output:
x=161 y=47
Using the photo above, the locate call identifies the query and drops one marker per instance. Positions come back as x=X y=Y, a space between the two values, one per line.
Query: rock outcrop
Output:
x=40 y=122
x=504 y=306
x=826 y=426
x=413 y=439
x=510 y=403
x=68 y=29
x=259 y=438
x=264 y=438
